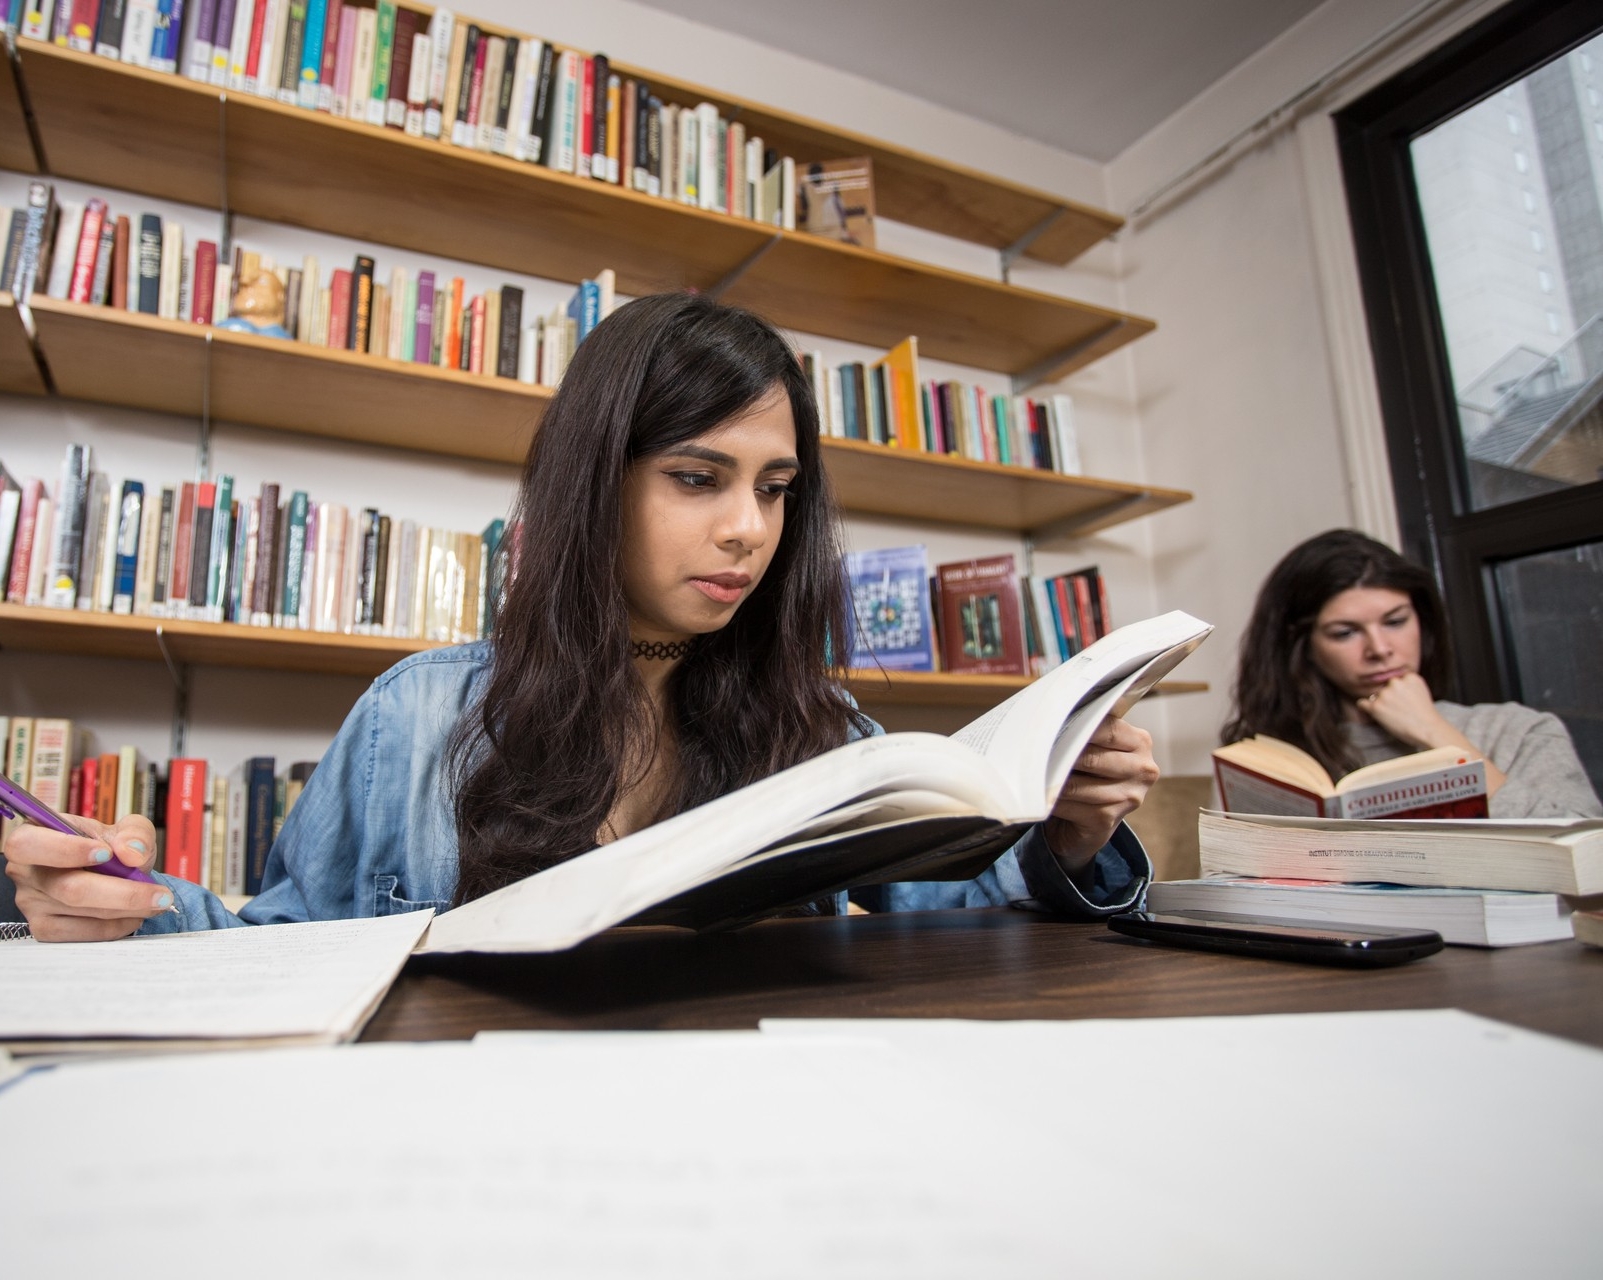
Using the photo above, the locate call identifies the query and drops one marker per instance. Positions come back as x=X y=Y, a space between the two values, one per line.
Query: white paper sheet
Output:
x=269 y=980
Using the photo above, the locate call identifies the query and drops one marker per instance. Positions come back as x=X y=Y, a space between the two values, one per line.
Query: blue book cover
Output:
x=889 y=610
x=128 y=520
x=259 y=805
x=312 y=53
x=164 y=38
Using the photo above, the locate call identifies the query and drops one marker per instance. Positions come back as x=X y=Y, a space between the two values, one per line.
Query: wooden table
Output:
x=997 y=963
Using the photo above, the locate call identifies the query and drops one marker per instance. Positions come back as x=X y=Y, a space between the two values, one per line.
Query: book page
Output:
x=600 y=1155
x=569 y=902
x=1029 y=737
x=319 y=978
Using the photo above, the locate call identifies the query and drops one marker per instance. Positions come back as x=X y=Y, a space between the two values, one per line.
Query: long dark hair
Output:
x=1278 y=690
x=539 y=764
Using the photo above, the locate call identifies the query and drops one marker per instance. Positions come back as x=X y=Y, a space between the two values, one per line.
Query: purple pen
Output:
x=17 y=803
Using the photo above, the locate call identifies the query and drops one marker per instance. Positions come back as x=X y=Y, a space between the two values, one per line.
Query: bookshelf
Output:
x=126 y=127
x=19 y=372
x=128 y=358
x=224 y=644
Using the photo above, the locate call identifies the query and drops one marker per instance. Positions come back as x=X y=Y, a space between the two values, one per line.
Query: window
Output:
x=1491 y=376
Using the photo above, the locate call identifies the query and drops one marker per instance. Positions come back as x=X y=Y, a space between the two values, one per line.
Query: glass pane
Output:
x=1552 y=607
x=1512 y=196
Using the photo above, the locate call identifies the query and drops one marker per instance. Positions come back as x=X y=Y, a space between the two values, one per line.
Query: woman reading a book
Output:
x=1343 y=656
x=663 y=639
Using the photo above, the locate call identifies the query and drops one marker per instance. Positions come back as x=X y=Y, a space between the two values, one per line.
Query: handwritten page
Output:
x=315 y=979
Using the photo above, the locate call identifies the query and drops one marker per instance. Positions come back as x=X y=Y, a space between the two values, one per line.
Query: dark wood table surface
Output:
x=996 y=963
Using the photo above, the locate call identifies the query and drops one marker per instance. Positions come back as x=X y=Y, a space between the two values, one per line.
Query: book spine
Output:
x=127 y=542
x=50 y=769
x=108 y=33
x=360 y=321
x=294 y=47
x=198 y=40
x=311 y=65
x=262 y=604
x=258 y=820
x=166 y=32
x=443 y=30
x=186 y=810
x=66 y=544
x=417 y=85
x=97 y=515
x=383 y=55
x=425 y=318
x=222 y=545
x=334 y=50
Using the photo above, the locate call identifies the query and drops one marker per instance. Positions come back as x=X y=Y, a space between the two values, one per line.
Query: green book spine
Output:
x=383 y=48
x=222 y=542
x=294 y=557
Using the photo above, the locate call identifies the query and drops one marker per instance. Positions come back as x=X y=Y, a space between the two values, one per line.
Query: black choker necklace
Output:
x=671 y=650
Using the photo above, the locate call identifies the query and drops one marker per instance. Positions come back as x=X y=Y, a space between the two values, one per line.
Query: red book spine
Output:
x=75 y=790
x=106 y=789
x=476 y=86
x=339 y=308
x=183 y=537
x=253 y=51
x=1082 y=608
x=1071 y=632
x=1106 y=613
x=83 y=263
x=205 y=282
x=22 y=554
x=476 y=337
x=119 y=265
x=331 y=52
x=186 y=816
x=86 y=787
x=587 y=113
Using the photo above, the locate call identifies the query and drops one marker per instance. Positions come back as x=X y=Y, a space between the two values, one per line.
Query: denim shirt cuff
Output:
x=1121 y=872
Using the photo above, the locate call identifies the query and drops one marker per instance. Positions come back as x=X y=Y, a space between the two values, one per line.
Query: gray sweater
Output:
x=1533 y=748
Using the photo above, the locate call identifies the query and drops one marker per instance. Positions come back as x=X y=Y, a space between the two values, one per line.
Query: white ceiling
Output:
x=1087 y=76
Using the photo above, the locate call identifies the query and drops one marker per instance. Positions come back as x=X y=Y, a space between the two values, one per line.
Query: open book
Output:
x=902 y=806
x=1265 y=775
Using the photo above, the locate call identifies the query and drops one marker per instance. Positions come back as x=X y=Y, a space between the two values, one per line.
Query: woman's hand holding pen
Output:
x=60 y=893
x=1109 y=782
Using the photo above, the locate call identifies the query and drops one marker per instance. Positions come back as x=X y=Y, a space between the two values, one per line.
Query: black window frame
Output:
x=1437 y=524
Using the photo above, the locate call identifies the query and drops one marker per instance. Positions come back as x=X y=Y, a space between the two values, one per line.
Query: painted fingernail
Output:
x=162 y=901
x=138 y=846
x=100 y=855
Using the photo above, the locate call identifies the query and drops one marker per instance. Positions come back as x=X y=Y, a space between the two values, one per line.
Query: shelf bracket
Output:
x=1021 y=246
x=174 y=668
x=1071 y=525
x=180 y=675
x=203 y=447
x=716 y=291
x=1029 y=555
x=34 y=138
x=1042 y=369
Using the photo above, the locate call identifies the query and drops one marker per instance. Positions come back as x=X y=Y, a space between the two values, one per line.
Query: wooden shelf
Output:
x=223 y=644
x=19 y=371
x=16 y=146
x=911 y=187
x=137 y=130
x=129 y=358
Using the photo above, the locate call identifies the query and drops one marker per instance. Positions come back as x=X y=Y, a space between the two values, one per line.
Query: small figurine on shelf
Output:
x=257 y=305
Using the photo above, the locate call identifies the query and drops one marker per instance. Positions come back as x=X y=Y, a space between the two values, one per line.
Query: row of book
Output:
x=139 y=262
x=976 y=616
x=213 y=828
x=886 y=401
x=446 y=78
x=195 y=550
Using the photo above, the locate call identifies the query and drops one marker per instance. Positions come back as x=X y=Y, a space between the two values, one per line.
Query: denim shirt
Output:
x=374 y=834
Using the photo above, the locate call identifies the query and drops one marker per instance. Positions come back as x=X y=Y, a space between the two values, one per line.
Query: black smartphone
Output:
x=1362 y=946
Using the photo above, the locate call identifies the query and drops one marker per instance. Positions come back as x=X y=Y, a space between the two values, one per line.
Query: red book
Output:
x=476 y=337
x=75 y=790
x=22 y=551
x=406 y=22
x=183 y=545
x=83 y=263
x=587 y=114
x=476 y=87
x=1082 y=608
x=253 y=49
x=339 y=308
x=205 y=282
x=106 y=788
x=85 y=17
x=186 y=818
x=119 y=264
x=982 y=628
x=86 y=787
x=331 y=52
x=1065 y=599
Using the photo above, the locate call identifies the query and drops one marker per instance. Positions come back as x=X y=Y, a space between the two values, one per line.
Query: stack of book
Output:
x=886 y=401
x=194 y=550
x=1478 y=882
x=212 y=828
x=445 y=78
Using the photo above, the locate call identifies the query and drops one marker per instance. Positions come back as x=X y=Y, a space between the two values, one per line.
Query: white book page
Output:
x=1029 y=737
x=1336 y=1144
x=567 y=903
x=603 y=1156
x=318 y=978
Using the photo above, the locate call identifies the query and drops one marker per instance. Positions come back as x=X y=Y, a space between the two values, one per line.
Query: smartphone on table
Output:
x=1358 y=946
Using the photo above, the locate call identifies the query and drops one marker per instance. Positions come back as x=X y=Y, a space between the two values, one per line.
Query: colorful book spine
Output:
x=186 y=813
